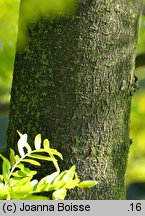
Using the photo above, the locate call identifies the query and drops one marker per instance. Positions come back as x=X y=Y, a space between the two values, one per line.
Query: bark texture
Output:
x=73 y=84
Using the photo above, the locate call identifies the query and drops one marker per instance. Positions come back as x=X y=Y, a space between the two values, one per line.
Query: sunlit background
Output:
x=9 y=10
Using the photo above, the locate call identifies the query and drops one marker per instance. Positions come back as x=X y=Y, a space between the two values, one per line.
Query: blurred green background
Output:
x=135 y=174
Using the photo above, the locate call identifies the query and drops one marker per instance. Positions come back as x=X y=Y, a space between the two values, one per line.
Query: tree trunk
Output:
x=73 y=83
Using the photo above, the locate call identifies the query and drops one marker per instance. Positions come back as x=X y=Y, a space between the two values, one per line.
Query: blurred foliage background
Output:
x=135 y=173
x=8 y=34
x=9 y=10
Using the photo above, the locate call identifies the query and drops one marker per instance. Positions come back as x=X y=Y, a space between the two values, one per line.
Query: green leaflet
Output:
x=19 y=133
x=37 y=142
x=33 y=162
x=50 y=151
x=87 y=184
x=59 y=194
x=72 y=184
x=50 y=178
x=40 y=157
x=21 y=174
x=46 y=144
x=12 y=157
x=17 y=158
x=5 y=168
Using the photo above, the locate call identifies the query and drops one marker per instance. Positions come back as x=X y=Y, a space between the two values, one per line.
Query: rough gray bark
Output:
x=73 y=84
